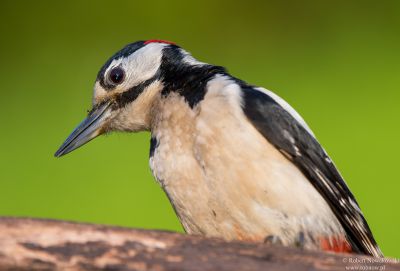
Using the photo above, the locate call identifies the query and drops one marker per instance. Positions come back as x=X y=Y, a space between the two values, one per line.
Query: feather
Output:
x=282 y=129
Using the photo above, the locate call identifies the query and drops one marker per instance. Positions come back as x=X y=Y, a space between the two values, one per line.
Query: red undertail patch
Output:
x=335 y=244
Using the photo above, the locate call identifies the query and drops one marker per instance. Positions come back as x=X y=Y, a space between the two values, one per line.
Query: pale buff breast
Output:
x=225 y=179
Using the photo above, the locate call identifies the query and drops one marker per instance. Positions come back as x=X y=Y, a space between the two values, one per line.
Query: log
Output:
x=37 y=244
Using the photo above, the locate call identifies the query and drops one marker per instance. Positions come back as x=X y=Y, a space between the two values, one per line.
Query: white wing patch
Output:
x=287 y=107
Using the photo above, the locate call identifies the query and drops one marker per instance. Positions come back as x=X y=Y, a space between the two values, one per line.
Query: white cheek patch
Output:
x=139 y=66
x=143 y=64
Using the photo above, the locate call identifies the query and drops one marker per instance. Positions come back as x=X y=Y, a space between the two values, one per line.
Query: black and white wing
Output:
x=285 y=129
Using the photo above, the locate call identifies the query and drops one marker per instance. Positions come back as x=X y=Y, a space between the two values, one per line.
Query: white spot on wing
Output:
x=288 y=136
x=327 y=159
x=323 y=180
x=296 y=149
x=342 y=202
x=355 y=206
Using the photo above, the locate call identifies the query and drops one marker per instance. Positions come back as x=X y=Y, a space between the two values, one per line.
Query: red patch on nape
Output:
x=335 y=244
x=158 y=41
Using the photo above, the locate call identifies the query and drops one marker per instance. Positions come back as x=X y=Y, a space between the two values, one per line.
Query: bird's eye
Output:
x=117 y=75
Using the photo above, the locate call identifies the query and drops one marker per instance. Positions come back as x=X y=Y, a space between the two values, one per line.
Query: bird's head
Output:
x=126 y=88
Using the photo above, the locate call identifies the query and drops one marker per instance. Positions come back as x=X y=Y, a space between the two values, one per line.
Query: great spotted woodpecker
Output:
x=235 y=160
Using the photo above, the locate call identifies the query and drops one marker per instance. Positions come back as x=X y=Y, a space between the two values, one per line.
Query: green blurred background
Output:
x=336 y=62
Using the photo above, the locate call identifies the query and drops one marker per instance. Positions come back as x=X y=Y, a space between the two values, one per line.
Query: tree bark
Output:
x=36 y=244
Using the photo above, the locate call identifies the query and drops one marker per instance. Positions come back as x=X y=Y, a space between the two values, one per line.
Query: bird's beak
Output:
x=88 y=129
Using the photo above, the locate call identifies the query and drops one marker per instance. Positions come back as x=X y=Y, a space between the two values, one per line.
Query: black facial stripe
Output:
x=190 y=81
x=124 y=52
x=131 y=94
